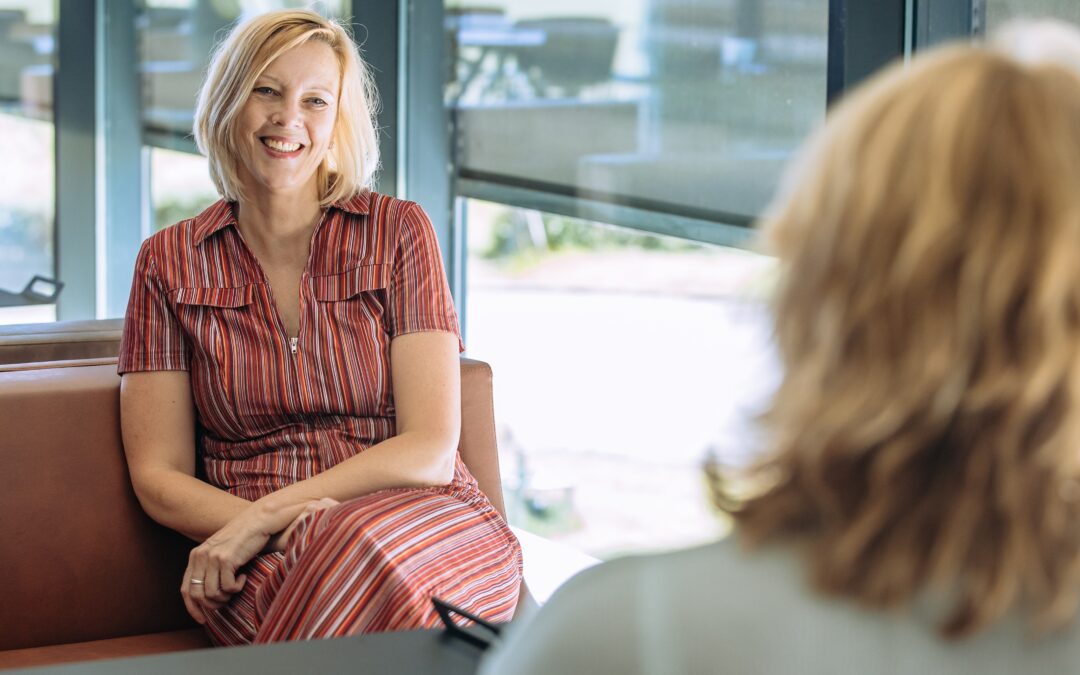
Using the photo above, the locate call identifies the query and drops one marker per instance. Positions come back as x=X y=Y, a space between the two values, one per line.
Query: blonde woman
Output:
x=303 y=325
x=918 y=510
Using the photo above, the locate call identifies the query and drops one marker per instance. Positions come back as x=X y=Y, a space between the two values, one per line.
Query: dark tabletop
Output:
x=412 y=652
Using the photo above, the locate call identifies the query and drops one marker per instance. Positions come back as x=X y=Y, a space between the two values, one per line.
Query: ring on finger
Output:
x=197 y=582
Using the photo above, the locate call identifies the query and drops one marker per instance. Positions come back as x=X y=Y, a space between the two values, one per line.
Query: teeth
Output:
x=281 y=147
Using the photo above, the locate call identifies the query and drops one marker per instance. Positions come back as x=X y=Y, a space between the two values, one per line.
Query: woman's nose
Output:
x=286 y=114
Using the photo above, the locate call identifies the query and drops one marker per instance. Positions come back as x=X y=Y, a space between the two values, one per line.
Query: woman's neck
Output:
x=278 y=225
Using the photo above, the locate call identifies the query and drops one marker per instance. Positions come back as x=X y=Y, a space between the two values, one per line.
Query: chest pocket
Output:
x=354 y=301
x=220 y=323
x=353 y=327
x=351 y=283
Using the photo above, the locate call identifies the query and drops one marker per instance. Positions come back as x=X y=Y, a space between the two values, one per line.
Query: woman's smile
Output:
x=280 y=148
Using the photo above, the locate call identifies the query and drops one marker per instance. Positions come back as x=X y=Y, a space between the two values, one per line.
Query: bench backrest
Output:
x=60 y=340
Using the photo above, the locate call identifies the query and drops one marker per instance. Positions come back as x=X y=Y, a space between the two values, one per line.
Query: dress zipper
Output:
x=292 y=344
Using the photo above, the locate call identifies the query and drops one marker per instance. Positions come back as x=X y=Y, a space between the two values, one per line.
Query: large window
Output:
x=583 y=132
x=687 y=107
x=27 y=59
x=621 y=360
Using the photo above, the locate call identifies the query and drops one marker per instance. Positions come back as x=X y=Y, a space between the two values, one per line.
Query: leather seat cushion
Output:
x=113 y=648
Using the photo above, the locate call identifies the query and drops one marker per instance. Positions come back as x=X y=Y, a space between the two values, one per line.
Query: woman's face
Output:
x=287 y=122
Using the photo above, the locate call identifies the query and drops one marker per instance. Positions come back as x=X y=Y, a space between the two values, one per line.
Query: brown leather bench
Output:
x=60 y=341
x=87 y=575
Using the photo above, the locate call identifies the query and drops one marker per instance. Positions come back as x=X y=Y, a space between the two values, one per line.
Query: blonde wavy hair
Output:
x=236 y=64
x=926 y=435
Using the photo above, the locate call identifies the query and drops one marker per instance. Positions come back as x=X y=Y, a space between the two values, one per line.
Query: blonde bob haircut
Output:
x=926 y=433
x=239 y=60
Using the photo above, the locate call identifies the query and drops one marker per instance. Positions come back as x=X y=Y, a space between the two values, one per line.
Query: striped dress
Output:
x=273 y=410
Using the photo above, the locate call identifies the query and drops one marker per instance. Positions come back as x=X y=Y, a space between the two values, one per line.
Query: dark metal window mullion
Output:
x=375 y=27
x=426 y=171
x=75 y=119
x=863 y=37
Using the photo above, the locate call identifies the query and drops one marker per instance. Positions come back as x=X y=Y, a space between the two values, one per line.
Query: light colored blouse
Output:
x=716 y=609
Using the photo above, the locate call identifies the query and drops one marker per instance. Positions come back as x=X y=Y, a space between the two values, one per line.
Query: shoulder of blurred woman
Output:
x=717 y=607
x=622 y=616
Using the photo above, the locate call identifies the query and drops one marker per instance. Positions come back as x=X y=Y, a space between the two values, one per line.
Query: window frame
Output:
x=102 y=214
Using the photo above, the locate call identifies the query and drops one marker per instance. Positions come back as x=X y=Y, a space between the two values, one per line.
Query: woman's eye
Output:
x=263 y=90
x=317 y=101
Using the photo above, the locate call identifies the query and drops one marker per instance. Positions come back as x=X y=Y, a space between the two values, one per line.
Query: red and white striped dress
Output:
x=271 y=414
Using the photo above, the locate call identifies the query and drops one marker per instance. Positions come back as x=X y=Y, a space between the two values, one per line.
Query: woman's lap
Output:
x=372 y=564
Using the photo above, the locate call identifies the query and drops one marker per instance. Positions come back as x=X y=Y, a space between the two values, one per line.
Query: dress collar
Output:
x=222 y=213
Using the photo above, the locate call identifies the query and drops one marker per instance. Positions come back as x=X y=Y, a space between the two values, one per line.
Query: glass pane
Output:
x=27 y=165
x=180 y=186
x=176 y=38
x=683 y=106
x=1000 y=11
x=620 y=360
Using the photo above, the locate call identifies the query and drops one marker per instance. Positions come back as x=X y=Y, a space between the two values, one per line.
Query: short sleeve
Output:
x=418 y=295
x=153 y=338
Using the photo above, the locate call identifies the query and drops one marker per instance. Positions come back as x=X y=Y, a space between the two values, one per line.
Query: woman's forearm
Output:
x=158 y=416
x=197 y=509
x=186 y=504
x=415 y=459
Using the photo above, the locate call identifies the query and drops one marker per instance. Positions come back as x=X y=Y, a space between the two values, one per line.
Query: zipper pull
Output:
x=292 y=344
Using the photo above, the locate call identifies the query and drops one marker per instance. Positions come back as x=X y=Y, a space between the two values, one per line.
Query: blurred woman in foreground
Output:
x=918 y=506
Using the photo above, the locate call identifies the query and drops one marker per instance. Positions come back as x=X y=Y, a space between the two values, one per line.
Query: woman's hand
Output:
x=281 y=539
x=211 y=578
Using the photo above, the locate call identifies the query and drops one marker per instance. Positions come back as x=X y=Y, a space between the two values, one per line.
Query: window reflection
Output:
x=27 y=60
x=1000 y=11
x=684 y=106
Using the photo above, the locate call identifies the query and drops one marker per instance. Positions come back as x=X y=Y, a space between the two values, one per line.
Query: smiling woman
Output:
x=296 y=64
x=303 y=324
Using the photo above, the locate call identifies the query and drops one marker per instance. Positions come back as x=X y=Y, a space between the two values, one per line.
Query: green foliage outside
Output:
x=170 y=211
x=513 y=242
